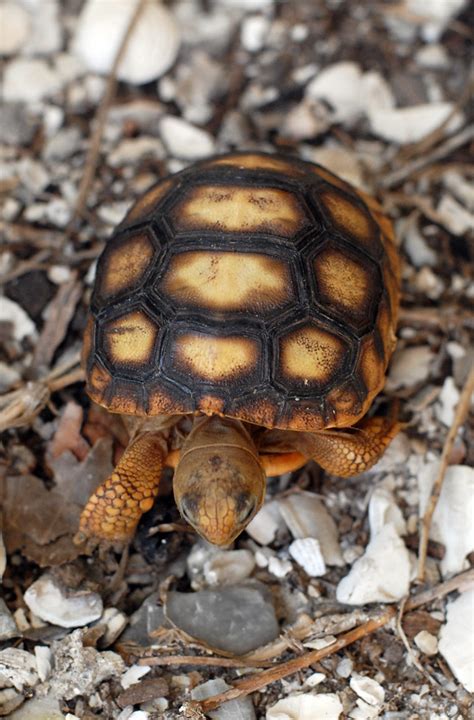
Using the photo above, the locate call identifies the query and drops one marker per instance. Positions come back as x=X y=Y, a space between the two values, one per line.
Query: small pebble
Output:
x=184 y=140
x=426 y=642
x=8 y=628
x=29 y=81
x=344 y=668
x=44 y=661
x=279 y=568
x=15 y=26
x=254 y=32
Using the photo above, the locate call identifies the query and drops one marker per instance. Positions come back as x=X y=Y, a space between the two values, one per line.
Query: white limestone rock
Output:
x=152 y=47
x=382 y=574
x=46 y=35
x=452 y=523
x=228 y=567
x=455 y=643
x=383 y=510
x=264 y=527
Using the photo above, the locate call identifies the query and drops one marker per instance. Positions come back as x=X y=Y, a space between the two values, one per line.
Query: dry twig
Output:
x=20 y=407
x=94 y=147
x=453 y=143
x=425 y=524
x=257 y=681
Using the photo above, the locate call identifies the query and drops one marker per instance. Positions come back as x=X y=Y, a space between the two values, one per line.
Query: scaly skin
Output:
x=114 y=509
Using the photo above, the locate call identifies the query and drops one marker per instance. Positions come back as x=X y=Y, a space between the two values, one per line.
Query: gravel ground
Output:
x=378 y=93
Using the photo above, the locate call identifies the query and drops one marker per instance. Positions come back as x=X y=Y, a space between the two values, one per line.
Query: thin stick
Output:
x=453 y=143
x=257 y=681
x=425 y=524
x=94 y=148
x=210 y=660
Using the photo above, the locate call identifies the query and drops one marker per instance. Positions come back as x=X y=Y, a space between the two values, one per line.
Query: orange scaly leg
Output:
x=114 y=509
x=346 y=453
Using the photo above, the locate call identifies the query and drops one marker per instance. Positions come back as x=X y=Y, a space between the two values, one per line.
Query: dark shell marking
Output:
x=256 y=286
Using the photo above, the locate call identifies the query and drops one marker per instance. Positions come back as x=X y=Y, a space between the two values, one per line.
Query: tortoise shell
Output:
x=256 y=286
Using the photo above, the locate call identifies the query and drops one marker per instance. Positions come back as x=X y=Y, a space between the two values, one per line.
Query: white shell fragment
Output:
x=184 y=140
x=47 y=599
x=382 y=574
x=368 y=689
x=17 y=668
x=322 y=706
x=307 y=517
x=411 y=124
x=152 y=47
x=452 y=523
x=307 y=553
x=455 y=642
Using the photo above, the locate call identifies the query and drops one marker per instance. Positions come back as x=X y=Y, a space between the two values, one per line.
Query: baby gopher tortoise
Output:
x=244 y=314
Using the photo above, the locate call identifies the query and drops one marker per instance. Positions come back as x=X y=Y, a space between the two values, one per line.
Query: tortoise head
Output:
x=219 y=482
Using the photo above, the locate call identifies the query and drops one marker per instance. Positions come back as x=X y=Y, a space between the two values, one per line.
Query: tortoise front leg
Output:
x=114 y=509
x=350 y=452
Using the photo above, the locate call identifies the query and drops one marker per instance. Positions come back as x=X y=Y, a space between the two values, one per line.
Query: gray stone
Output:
x=147 y=618
x=237 y=619
x=17 y=127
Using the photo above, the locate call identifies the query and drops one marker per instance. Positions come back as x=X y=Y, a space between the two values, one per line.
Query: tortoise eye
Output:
x=189 y=508
x=245 y=508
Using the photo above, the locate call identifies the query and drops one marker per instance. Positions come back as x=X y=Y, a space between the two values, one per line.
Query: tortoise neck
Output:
x=214 y=430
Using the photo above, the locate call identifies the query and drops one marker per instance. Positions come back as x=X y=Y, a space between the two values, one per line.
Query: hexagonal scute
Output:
x=224 y=359
x=346 y=285
x=223 y=281
x=123 y=264
x=237 y=208
x=311 y=357
x=129 y=340
x=351 y=220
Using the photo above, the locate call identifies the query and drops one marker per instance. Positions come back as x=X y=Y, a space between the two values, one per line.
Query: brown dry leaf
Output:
x=38 y=521
x=68 y=434
x=41 y=522
x=75 y=481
